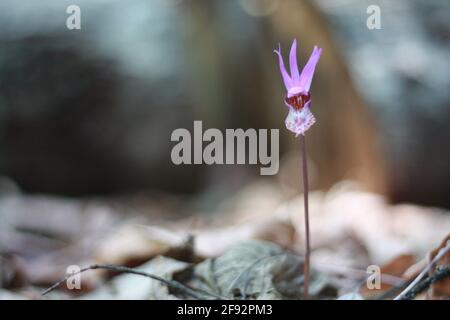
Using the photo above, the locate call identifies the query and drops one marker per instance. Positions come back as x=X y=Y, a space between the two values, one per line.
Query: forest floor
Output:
x=250 y=247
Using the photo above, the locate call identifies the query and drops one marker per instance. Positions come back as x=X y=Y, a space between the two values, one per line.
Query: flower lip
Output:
x=299 y=100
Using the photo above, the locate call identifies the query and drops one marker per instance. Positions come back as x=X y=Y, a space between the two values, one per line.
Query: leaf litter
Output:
x=240 y=254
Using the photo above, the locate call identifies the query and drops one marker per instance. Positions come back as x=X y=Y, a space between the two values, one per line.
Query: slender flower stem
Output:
x=305 y=197
x=299 y=120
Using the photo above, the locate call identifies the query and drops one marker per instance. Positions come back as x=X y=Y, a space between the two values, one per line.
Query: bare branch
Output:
x=194 y=293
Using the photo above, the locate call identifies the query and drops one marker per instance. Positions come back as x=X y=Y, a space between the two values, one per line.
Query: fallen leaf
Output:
x=256 y=270
x=134 y=244
x=215 y=241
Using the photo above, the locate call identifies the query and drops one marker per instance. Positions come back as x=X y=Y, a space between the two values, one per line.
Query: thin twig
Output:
x=194 y=293
x=440 y=254
x=305 y=198
x=427 y=282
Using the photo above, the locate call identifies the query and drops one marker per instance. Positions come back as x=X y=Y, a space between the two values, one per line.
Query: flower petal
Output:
x=308 y=71
x=299 y=121
x=295 y=75
x=286 y=78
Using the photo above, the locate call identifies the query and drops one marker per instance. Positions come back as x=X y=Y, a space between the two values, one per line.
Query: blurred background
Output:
x=89 y=113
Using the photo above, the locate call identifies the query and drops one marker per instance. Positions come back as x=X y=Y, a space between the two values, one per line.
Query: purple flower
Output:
x=298 y=98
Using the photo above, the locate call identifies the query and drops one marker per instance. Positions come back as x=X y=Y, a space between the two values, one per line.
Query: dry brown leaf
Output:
x=398 y=266
x=135 y=244
x=213 y=242
x=385 y=230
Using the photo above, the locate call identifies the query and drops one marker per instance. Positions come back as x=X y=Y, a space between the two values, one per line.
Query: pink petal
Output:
x=293 y=63
x=286 y=78
x=308 y=71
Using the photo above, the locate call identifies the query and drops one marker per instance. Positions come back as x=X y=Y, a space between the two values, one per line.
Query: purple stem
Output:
x=305 y=197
